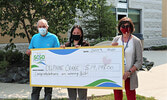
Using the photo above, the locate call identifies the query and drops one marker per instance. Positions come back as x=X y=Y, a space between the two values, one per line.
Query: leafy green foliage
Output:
x=10 y=46
x=11 y=57
x=111 y=97
x=26 y=60
x=2 y=55
x=14 y=57
x=99 y=21
x=3 y=66
x=24 y=14
x=163 y=47
x=98 y=40
x=105 y=97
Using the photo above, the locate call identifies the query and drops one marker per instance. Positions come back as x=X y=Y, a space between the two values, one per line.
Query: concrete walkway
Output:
x=152 y=83
x=11 y=90
x=158 y=57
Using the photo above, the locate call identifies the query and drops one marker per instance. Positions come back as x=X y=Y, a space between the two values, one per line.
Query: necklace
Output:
x=126 y=43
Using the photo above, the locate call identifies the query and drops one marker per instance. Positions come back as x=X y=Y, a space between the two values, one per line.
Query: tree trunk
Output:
x=25 y=29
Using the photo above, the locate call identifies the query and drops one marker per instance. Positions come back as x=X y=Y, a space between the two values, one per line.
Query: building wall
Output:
x=6 y=39
x=151 y=20
x=21 y=44
x=164 y=18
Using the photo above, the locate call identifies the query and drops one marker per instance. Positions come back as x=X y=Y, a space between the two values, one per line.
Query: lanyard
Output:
x=126 y=43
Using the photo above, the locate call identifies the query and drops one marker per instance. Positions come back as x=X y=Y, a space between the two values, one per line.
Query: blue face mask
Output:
x=42 y=31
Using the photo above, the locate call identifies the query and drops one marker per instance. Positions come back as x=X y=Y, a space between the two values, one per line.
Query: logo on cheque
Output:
x=38 y=59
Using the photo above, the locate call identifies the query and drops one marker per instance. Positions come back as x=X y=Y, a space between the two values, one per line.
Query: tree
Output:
x=99 y=21
x=24 y=14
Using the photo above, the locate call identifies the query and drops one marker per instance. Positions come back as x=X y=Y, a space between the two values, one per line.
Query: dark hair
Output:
x=123 y=21
x=71 y=38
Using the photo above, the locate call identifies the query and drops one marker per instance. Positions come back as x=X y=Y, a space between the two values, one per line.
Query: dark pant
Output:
x=131 y=94
x=36 y=93
x=72 y=93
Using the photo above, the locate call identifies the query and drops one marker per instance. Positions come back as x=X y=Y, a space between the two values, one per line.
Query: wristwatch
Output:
x=130 y=71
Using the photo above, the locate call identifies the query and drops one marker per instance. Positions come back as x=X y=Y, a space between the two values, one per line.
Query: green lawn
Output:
x=106 y=97
x=111 y=97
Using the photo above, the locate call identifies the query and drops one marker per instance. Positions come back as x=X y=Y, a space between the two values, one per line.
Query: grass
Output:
x=106 y=97
x=111 y=97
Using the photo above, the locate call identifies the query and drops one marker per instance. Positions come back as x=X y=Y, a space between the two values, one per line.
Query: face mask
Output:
x=125 y=30
x=76 y=37
x=42 y=31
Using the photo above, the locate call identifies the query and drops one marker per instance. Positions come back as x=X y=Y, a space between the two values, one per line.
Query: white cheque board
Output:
x=84 y=67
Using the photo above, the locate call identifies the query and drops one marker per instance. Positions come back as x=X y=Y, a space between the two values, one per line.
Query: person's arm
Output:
x=115 y=40
x=138 y=56
x=85 y=43
x=77 y=46
x=57 y=43
x=138 y=60
x=28 y=52
x=129 y=72
x=62 y=46
x=133 y=69
x=114 y=44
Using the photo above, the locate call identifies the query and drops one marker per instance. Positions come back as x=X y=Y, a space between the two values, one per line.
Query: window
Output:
x=123 y=1
x=135 y=16
x=113 y=10
x=121 y=10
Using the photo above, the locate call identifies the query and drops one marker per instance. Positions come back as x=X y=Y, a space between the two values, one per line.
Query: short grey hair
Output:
x=43 y=20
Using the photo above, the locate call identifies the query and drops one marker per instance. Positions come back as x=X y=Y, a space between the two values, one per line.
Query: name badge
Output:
x=124 y=61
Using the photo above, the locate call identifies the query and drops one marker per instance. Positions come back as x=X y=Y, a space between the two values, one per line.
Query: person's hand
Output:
x=62 y=46
x=126 y=75
x=114 y=44
x=77 y=46
x=28 y=52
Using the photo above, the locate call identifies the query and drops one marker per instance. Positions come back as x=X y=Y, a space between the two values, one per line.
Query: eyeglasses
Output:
x=42 y=26
x=127 y=26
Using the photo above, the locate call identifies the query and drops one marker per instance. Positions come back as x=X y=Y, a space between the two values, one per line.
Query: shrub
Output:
x=2 y=55
x=3 y=66
x=163 y=47
x=98 y=40
x=14 y=57
x=26 y=60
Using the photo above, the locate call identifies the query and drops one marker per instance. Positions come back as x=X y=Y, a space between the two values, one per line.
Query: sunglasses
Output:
x=127 y=26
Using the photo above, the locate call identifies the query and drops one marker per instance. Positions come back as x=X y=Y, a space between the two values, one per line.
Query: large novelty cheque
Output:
x=84 y=67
